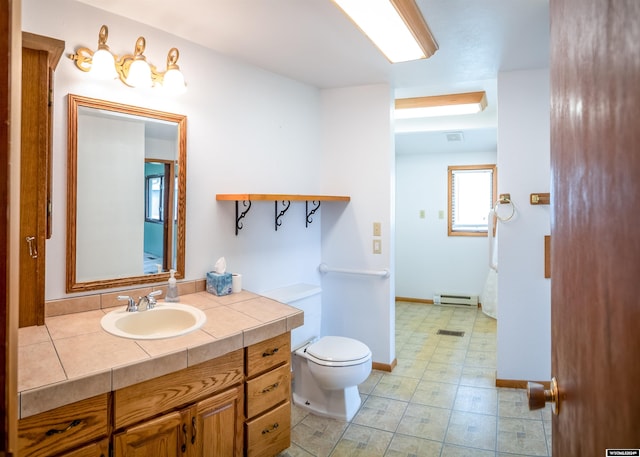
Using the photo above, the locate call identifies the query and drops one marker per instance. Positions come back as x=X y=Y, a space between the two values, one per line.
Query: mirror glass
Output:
x=126 y=194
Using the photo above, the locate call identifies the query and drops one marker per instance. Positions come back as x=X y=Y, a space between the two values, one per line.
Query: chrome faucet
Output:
x=144 y=303
x=131 y=305
x=148 y=301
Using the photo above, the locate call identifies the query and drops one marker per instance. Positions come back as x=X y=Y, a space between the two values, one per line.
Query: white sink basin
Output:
x=165 y=320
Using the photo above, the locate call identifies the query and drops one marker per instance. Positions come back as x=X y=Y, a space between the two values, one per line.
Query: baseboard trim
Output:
x=415 y=300
x=519 y=384
x=385 y=366
x=425 y=301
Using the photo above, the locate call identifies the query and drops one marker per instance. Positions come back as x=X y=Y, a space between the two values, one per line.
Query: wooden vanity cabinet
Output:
x=237 y=404
x=268 y=391
x=195 y=412
x=69 y=430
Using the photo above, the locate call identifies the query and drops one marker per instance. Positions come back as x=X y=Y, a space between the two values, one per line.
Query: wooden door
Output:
x=165 y=436
x=595 y=165
x=217 y=425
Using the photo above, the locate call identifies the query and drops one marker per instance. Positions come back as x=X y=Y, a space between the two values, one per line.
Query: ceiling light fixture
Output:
x=396 y=27
x=132 y=69
x=441 y=105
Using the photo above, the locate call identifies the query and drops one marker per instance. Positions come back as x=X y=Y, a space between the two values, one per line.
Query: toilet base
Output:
x=340 y=404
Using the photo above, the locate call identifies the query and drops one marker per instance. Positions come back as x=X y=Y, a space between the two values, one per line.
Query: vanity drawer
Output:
x=63 y=428
x=269 y=434
x=268 y=354
x=268 y=390
x=175 y=390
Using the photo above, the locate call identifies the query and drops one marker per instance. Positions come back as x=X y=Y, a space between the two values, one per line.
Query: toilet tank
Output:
x=308 y=298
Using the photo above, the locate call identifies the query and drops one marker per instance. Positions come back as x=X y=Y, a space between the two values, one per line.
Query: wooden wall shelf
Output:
x=277 y=197
x=286 y=200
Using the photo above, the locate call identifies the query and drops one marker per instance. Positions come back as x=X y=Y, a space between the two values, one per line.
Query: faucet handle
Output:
x=151 y=300
x=131 y=304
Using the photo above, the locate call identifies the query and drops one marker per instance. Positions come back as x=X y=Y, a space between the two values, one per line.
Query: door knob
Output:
x=538 y=396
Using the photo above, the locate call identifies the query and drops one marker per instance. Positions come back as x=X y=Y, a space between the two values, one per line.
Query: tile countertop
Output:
x=72 y=358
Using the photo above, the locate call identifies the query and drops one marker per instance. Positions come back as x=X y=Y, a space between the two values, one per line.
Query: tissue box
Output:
x=219 y=283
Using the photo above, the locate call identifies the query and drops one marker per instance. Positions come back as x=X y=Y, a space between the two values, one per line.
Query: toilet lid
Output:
x=338 y=349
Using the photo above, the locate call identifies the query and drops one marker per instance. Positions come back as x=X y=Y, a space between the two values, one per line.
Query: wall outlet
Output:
x=441 y=214
x=377 y=246
x=377 y=230
x=422 y=214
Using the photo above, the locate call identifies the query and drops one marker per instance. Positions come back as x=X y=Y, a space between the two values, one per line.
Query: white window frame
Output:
x=479 y=229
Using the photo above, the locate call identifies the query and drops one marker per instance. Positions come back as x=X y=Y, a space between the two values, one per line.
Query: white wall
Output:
x=358 y=160
x=429 y=261
x=247 y=131
x=524 y=302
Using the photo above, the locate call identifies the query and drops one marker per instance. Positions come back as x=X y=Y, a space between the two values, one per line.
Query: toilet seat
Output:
x=337 y=351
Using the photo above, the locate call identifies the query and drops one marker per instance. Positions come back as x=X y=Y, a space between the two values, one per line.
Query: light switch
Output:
x=377 y=246
x=441 y=214
x=422 y=214
x=377 y=231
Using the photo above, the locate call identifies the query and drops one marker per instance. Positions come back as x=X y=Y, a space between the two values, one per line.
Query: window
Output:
x=154 y=207
x=472 y=191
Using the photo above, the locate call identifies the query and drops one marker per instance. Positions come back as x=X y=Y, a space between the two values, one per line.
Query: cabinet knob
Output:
x=270 y=388
x=183 y=448
x=270 y=353
x=273 y=428
x=55 y=431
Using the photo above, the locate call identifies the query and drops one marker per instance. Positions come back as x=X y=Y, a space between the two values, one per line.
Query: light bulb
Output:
x=139 y=74
x=173 y=81
x=102 y=65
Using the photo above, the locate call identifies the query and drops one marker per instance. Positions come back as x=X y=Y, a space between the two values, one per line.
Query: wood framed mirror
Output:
x=126 y=194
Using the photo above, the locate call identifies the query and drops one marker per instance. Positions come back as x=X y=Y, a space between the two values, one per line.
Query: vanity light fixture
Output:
x=132 y=69
x=396 y=27
x=440 y=105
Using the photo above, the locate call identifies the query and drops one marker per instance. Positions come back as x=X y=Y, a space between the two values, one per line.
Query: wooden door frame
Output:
x=10 y=43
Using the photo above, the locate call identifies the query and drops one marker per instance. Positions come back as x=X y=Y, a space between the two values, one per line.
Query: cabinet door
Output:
x=33 y=182
x=40 y=56
x=165 y=436
x=217 y=425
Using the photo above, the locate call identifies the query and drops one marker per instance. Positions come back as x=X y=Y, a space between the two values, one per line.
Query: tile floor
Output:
x=439 y=401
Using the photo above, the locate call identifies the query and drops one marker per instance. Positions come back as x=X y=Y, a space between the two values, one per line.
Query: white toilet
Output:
x=326 y=371
x=326 y=374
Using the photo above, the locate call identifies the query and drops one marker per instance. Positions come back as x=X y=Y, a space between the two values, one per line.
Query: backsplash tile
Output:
x=104 y=300
x=72 y=305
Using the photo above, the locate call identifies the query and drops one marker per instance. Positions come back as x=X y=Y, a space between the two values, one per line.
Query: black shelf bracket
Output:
x=286 y=204
x=241 y=215
x=309 y=219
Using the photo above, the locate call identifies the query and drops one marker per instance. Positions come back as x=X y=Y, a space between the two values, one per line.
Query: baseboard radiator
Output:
x=456 y=300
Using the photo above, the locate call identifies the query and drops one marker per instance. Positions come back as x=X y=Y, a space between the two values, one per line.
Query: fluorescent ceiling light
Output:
x=396 y=27
x=440 y=105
